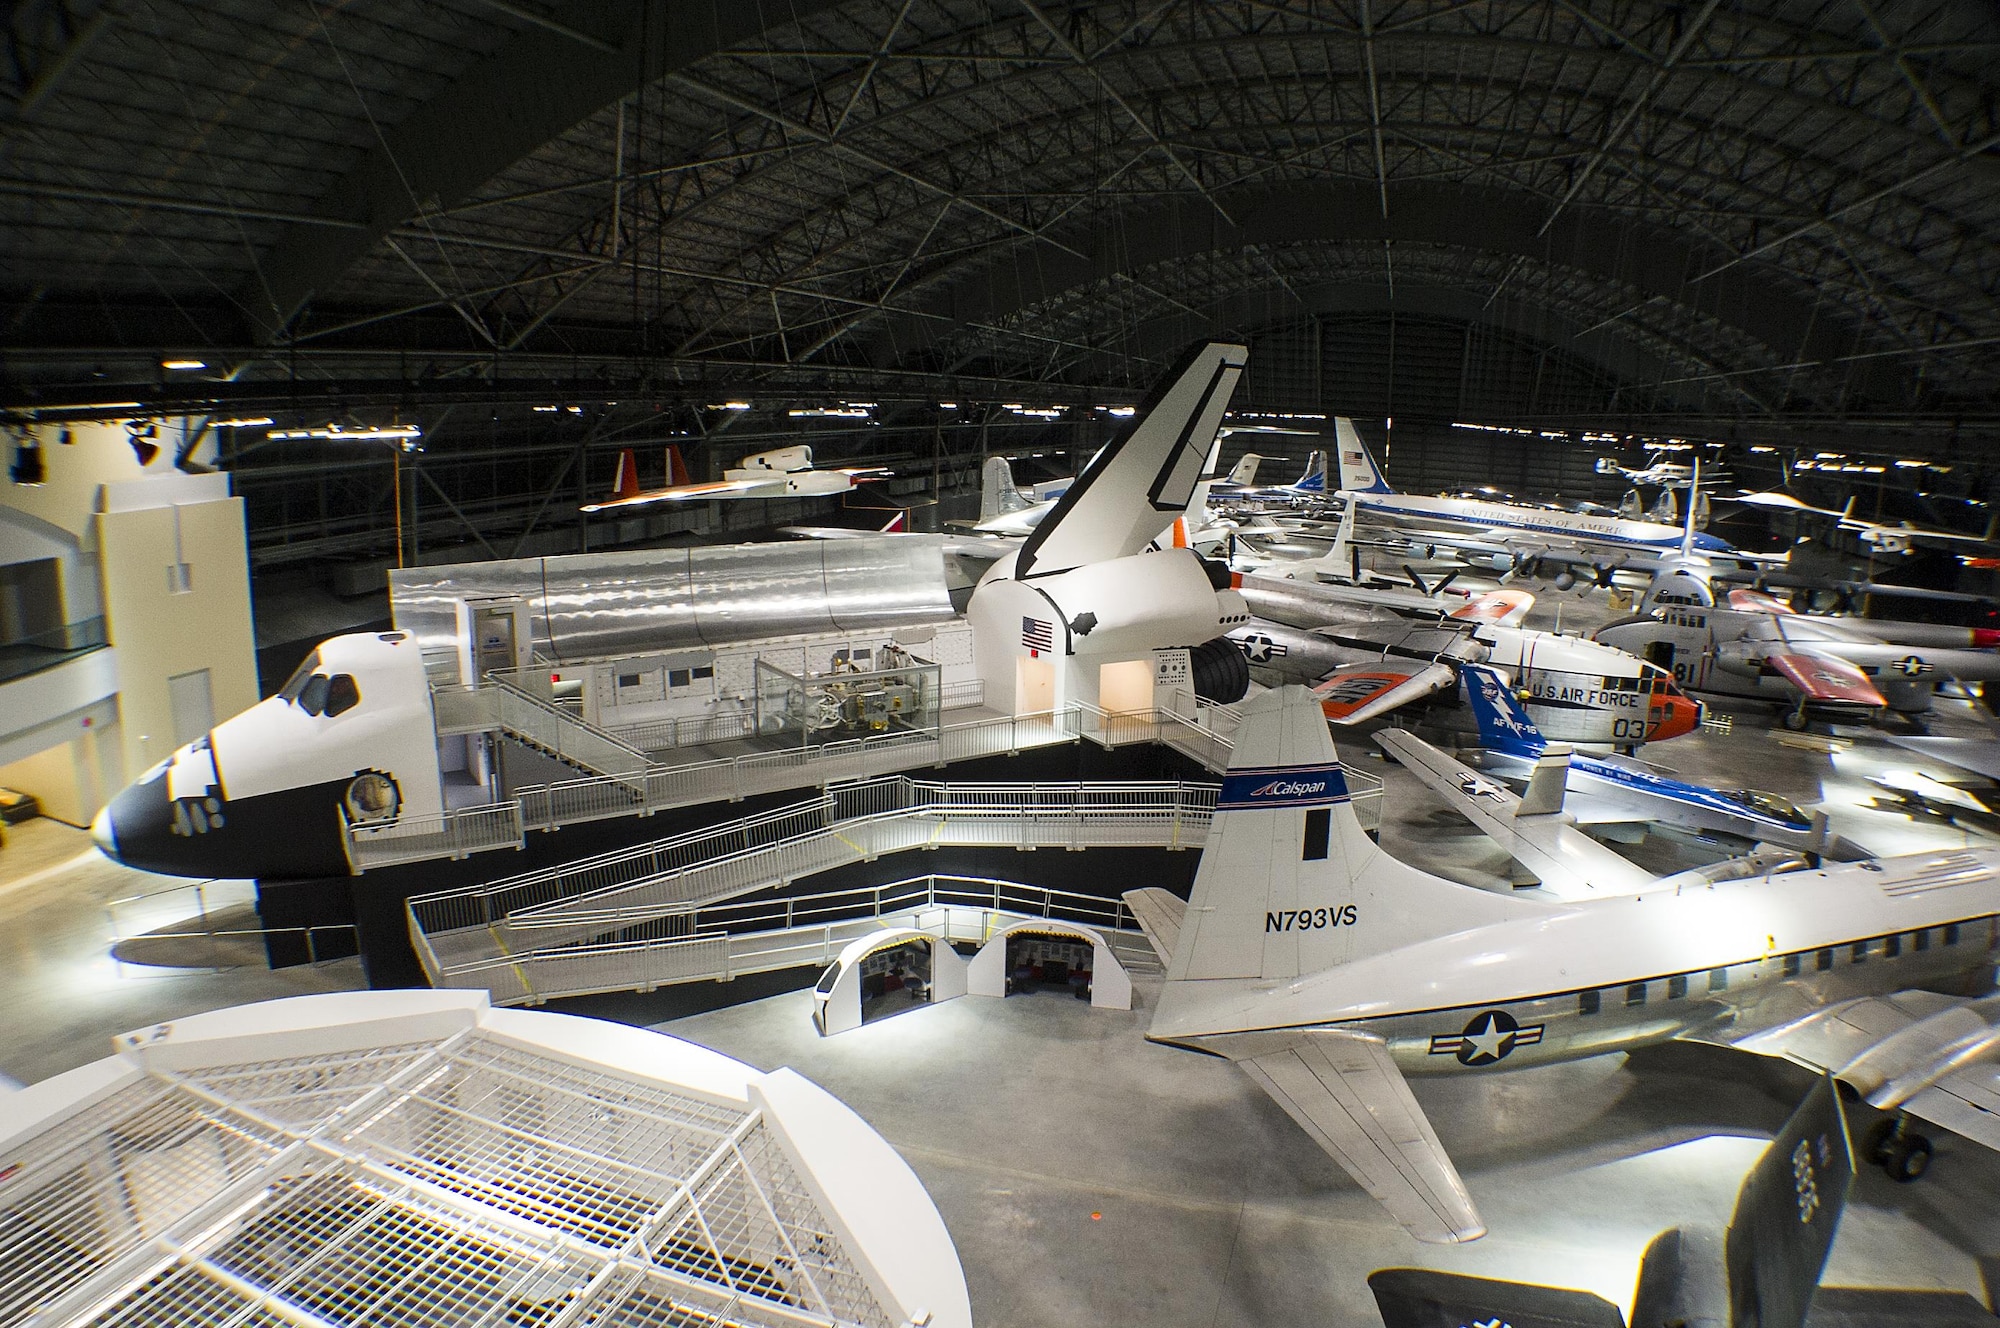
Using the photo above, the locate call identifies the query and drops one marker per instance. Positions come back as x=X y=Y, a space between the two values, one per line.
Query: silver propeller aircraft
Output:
x=1328 y=970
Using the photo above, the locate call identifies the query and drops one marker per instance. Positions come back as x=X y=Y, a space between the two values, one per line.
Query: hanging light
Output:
x=140 y=434
x=27 y=467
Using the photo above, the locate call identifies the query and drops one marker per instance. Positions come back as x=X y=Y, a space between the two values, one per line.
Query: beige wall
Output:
x=72 y=779
x=159 y=634
x=98 y=454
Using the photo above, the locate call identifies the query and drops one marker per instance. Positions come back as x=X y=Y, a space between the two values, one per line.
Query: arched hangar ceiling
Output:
x=1773 y=216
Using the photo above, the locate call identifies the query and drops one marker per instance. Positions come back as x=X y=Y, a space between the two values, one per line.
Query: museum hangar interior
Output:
x=926 y=662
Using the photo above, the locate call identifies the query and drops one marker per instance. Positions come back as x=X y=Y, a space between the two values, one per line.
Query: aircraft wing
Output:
x=1344 y=1090
x=1568 y=862
x=692 y=492
x=1934 y=1056
x=1158 y=913
x=1966 y=1102
x=1979 y=755
x=1825 y=678
x=1356 y=693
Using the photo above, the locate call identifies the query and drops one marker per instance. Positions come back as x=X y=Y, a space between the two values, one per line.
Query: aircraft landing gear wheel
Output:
x=1796 y=720
x=1875 y=1146
x=1908 y=1159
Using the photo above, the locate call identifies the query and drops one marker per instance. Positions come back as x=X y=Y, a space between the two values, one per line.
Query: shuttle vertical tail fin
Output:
x=1358 y=471
x=1146 y=475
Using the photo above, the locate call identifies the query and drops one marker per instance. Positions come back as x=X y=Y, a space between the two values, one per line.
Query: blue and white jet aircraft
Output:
x=1608 y=790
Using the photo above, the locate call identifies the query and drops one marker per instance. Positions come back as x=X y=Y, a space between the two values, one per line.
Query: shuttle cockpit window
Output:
x=300 y=677
x=342 y=694
x=329 y=696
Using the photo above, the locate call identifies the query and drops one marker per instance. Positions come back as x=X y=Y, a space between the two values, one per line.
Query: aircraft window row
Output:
x=1889 y=947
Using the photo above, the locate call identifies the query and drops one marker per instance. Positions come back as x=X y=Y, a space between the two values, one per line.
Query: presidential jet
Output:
x=1328 y=970
x=1514 y=538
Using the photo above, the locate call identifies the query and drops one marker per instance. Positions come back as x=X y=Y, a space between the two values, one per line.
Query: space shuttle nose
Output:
x=103 y=833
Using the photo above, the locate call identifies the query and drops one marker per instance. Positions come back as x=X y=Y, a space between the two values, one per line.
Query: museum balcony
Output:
x=39 y=651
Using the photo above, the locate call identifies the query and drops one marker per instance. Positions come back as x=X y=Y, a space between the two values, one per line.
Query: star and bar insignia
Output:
x=1491 y=1036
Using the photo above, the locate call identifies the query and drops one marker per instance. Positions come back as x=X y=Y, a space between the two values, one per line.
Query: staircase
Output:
x=541 y=727
x=645 y=894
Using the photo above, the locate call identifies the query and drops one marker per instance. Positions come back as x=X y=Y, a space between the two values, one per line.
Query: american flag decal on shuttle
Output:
x=1037 y=635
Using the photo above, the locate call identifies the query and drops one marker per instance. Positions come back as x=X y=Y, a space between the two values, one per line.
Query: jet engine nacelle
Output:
x=781 y=459
x=270 y=792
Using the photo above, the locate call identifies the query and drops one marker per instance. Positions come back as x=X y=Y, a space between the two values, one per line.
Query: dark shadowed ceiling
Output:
x=1740 y=218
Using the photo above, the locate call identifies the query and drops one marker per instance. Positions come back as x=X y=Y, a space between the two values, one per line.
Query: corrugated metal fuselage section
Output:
x=602 y=604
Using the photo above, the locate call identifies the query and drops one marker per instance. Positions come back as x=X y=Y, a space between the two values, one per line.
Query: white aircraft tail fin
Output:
x=1245 y=469
x=1697 y=508
x=1146 y=475
x=1666 y=511
x=1632 y=507
x=1289 y=883
x=998 y=494
x=1358 y=471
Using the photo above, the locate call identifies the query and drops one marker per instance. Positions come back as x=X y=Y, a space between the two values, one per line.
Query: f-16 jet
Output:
x=1329 y=970
x=1569 y=789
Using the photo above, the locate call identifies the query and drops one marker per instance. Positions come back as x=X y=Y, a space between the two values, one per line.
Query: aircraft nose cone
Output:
x=104 y=834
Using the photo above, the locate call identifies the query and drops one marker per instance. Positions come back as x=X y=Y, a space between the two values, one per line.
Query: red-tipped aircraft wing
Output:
x=1823 y=678
x=1355 y=693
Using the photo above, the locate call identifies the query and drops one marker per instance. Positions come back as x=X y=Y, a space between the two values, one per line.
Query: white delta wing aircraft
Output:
x=786 y=472
x=1328 y=970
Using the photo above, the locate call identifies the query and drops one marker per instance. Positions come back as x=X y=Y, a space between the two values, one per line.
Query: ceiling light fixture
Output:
x=371 y=433
x=183 y=364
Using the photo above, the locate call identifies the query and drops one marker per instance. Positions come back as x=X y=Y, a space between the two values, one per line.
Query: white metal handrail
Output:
x=763 y=936
x=466 y=830
x=503 y=825
x=669 y=874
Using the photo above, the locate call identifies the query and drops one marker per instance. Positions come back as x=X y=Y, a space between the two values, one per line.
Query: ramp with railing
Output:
x=650 y=893
x=660 y=786
x=762 y=936
x=654 y=886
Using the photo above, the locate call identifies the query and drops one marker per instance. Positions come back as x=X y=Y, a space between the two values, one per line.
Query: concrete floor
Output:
x=1089 y=1176
x=64 y=995
x=1027 y=1116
